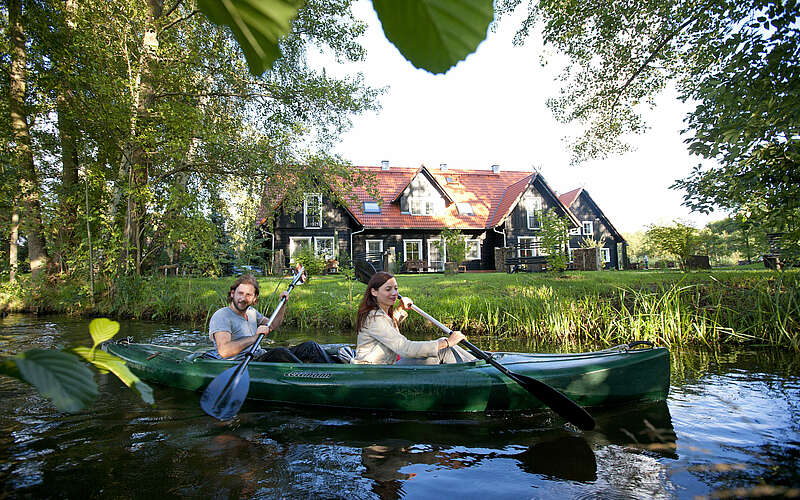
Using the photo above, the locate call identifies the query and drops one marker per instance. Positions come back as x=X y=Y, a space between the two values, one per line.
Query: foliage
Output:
x=735 y=63
x=679 y=240
x=455 y=244
x=313 y=263
x=554 y=236
x=432 y=34
x=64 y=378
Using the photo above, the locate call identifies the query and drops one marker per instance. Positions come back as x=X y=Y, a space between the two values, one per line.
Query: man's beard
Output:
x=236 y=305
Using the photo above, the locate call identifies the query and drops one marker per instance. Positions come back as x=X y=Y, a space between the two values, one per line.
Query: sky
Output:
x=490 y=109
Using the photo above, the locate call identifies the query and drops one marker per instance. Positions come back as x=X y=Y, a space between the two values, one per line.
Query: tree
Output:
x=554 y=238
x=735 y=62
x=456 y=246
x=678 y=240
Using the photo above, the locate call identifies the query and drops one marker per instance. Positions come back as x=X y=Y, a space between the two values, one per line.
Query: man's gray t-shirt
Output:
x=226 y=320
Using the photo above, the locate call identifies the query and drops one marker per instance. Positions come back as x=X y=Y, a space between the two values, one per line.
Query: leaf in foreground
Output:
x=59 y=376
x=435 y=34
x=257 y=25
x=108 y=362
x=102 y=329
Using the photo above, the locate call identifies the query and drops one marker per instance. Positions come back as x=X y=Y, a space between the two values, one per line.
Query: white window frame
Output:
x=293 y=244
x=366 y=246
x=432 y=245
x=606 y=252
x=570 y=252
x=422 y=206
x=405 y=249
x=575 y=231
x=590 y=225
x=477 y=243
x=536 y=251
x=317 y=239
x=308 y=196
x=533 y=208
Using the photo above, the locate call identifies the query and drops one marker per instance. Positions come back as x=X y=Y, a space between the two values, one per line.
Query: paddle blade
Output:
x=364 y=271
x=557 y=401
x=225 y=394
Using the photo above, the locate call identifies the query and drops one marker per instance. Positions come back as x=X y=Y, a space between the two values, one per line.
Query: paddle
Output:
x=551 y=397
x=226 y=393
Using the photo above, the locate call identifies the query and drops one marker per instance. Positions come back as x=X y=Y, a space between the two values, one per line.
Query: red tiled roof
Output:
x=569 y=198
x=482 y=189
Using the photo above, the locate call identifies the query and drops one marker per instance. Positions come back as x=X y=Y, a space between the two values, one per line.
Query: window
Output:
x=436 y=255
x=473 y=250
x=465 y=209
x=533 y=206
x=570 y=250
x=529 y=246
x=296 y=243
x=588 y=227
x=323 y=246
x=372 y=207
x=421 y=206
x=575 y=231
x=606 y=254
x=412 y=249
x=374 y=250
x=312 y=211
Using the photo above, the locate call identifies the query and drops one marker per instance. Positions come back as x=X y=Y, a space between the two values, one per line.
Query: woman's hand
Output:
x=455 y=338
x=406 y=303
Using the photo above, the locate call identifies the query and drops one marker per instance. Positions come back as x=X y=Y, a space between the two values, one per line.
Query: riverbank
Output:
x=596 y=308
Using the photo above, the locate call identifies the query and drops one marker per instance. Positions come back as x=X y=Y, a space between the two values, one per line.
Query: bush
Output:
x=313 y=263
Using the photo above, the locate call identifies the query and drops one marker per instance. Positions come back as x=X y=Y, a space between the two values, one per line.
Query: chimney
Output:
x=495 y=169
x=443 y=166
x=385 y=165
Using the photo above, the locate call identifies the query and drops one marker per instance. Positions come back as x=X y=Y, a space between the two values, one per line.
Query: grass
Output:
x=595 y=308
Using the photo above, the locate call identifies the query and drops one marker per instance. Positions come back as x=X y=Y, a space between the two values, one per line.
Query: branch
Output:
x=173 y=8
x=212 y=94
x=179 y=20
x=650 y=58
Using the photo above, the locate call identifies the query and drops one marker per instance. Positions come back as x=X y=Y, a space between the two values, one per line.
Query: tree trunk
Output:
x=13 y=243
x=29 y=180
x=68 y=135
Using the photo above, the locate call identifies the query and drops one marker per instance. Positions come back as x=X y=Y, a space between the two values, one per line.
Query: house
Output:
x=596 y=226
x=492 y=208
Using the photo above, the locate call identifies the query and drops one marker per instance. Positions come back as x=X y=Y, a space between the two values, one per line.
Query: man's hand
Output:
x=263 y=329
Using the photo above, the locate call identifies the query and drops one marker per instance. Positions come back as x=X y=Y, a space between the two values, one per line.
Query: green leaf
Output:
x=102 y=329
x=435 y=34
x=257 y=25
x=104 y=361
x=59 y=376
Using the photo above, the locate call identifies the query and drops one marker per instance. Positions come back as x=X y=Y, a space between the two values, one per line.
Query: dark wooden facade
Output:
x=587 y=211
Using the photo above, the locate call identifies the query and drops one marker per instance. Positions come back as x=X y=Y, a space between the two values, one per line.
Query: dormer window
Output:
x=372 y=207
x=465 y=209
x=312 y=211
x=421 y=206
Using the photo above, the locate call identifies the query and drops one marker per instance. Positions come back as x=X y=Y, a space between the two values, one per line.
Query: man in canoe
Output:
x=235 y=328
x=379 y=338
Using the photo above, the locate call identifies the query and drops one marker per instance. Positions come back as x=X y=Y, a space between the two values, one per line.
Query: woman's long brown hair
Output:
x=369 y=303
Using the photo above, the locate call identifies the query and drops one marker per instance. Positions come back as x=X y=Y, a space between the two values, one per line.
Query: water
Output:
x=729 y=429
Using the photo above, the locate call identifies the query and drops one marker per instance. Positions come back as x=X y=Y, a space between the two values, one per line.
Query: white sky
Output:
x=490 y=109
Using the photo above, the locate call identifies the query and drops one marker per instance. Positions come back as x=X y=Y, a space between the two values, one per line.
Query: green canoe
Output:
x=602 y=378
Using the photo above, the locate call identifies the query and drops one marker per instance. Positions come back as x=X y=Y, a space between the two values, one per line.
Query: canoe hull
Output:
x=590 y=379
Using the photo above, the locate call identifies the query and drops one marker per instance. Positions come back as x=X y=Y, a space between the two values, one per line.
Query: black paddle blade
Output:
x=364 y=271
x=225 y=394
x=557 y=402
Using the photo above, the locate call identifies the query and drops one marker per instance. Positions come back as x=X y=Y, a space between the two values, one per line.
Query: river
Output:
x=728 y=429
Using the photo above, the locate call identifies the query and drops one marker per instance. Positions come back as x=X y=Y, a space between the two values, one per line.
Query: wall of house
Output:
x=336 y=222
x=516 y=224
x=394 y=238
x=585 y=210
x=421 y=188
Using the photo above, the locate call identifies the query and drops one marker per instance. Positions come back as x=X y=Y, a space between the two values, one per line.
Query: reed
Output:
x=604 y=308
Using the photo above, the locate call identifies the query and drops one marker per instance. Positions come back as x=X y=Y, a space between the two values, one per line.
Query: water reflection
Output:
x=731 y=422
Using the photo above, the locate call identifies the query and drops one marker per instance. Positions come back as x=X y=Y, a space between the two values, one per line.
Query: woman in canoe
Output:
x=379 y=338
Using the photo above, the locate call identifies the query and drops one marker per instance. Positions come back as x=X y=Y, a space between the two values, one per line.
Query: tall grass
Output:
x=603 y=308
